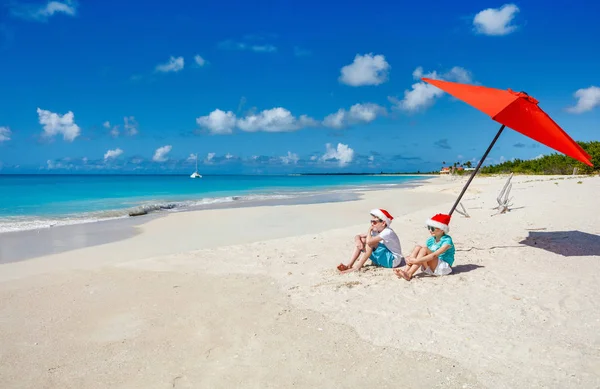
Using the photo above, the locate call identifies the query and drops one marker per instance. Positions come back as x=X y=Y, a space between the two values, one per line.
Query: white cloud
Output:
x=192 y=157
x=210 y=157
x=173 y=65
x=371 y=158
x=274 y=120
x=199 y=60
x=56 y=124
x=423 y=95
x=218 y=122
x=290 y=158
x=358 y=113
x=42 y=13
x=365 y=70
x=496 y=21
x=270 y=120
x=539 y=156
x=160 y=155
x=343 y=154
x=4 y=134
x=587 y=99
x=114 y=131
x=111 y=154
x=131 y=125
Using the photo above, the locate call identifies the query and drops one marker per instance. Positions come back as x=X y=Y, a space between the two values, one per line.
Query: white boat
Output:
x=196 y=174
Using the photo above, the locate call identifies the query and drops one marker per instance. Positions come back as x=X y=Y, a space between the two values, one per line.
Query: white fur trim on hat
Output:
x=382 y=216
x=436 y=224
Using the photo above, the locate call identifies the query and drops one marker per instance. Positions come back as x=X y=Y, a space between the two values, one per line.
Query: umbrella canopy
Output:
x=518 y=111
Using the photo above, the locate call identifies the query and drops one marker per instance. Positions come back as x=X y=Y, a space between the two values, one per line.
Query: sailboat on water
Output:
x=196 y=174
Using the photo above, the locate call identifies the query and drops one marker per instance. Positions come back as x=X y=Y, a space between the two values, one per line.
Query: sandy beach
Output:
x=250 y=298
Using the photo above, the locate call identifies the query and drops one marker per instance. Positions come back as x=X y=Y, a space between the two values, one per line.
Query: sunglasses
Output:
x=431 y=228
x=376 y=221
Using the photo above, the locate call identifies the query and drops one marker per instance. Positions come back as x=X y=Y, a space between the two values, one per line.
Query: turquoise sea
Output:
x=38 y=201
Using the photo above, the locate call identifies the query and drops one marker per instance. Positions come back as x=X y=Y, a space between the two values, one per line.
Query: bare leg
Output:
x=354 y=257
x=361 y=262
x=416 y=263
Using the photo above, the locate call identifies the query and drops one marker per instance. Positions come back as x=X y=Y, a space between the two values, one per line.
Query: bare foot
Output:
x=402 y=273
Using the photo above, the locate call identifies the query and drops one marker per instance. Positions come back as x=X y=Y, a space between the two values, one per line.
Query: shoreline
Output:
x=293 y=195
x=220 y=296
x=16 y=246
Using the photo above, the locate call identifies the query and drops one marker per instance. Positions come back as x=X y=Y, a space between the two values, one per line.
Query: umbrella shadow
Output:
x=567 y=243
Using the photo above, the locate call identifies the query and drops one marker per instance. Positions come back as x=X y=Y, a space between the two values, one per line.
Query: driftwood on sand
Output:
x=503 y=198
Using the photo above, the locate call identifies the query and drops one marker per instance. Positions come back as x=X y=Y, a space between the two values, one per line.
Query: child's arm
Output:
x=436 y=253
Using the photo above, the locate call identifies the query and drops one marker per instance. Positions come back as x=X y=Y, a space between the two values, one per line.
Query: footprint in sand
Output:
x=119 y=327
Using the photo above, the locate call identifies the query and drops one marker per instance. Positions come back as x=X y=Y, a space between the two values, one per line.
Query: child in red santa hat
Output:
x=380 y=244
x=437 y=256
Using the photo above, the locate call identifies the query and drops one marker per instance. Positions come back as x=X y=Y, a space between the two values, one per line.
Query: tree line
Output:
x=550 y=164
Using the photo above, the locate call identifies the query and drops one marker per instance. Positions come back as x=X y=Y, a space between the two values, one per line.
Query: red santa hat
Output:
x=440 y=221
x=384 y=215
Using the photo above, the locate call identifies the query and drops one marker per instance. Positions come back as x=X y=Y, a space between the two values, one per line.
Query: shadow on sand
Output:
x=566 y=243
x=464 y=268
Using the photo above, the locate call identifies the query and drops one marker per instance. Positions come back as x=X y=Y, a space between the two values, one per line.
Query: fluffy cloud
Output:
x=274 y=120
x=423 y=95
x=111 y=154
x=131 y=125
x=366 y=69
x=42 y=13
x=289 y=158
x=343 y=154
x=218 y=122
x=358 y=113
x=496 y=21
x=199 y=60
x=209 y=157
x=270 y=120
x=114 y=130
x=55 y=124
x=4 y=134
x=192 y=158
x=587 y=99
x=173 y=65
x=160 y=155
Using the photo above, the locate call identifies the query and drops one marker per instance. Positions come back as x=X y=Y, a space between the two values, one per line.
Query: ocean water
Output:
x=40 y=201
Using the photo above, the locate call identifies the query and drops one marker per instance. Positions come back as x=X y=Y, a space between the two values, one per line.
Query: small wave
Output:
x=25 y=223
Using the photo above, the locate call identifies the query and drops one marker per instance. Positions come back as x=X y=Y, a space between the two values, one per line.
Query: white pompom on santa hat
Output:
x=440 y=221
x=384 y=215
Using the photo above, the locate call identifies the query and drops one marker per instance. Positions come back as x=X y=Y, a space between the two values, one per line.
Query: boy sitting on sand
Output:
x=380 y=244
x=438 y=253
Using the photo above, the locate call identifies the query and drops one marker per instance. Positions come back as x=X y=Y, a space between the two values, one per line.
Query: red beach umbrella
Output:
x=516 y=110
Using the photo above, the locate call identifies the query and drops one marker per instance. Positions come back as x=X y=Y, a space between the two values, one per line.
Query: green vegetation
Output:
x=550 y=164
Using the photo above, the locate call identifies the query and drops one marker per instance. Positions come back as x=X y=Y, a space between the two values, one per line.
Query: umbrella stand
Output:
x=476 y=170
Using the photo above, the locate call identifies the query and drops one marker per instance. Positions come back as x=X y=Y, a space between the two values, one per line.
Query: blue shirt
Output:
x=448 y=255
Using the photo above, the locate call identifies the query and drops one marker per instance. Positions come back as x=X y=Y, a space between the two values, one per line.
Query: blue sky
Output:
x=281 y=87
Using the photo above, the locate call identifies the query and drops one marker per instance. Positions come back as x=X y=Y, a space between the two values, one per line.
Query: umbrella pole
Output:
x=476 y=169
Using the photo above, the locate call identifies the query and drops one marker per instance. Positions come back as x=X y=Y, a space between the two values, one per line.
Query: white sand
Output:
x=250 y=298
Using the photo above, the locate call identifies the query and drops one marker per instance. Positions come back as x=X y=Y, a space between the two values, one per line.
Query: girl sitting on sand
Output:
x=438 y=253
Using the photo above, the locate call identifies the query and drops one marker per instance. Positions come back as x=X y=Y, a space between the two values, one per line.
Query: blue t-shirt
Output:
x=448 y=255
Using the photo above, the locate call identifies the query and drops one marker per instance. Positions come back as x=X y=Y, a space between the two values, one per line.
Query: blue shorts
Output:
x=382 y=256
